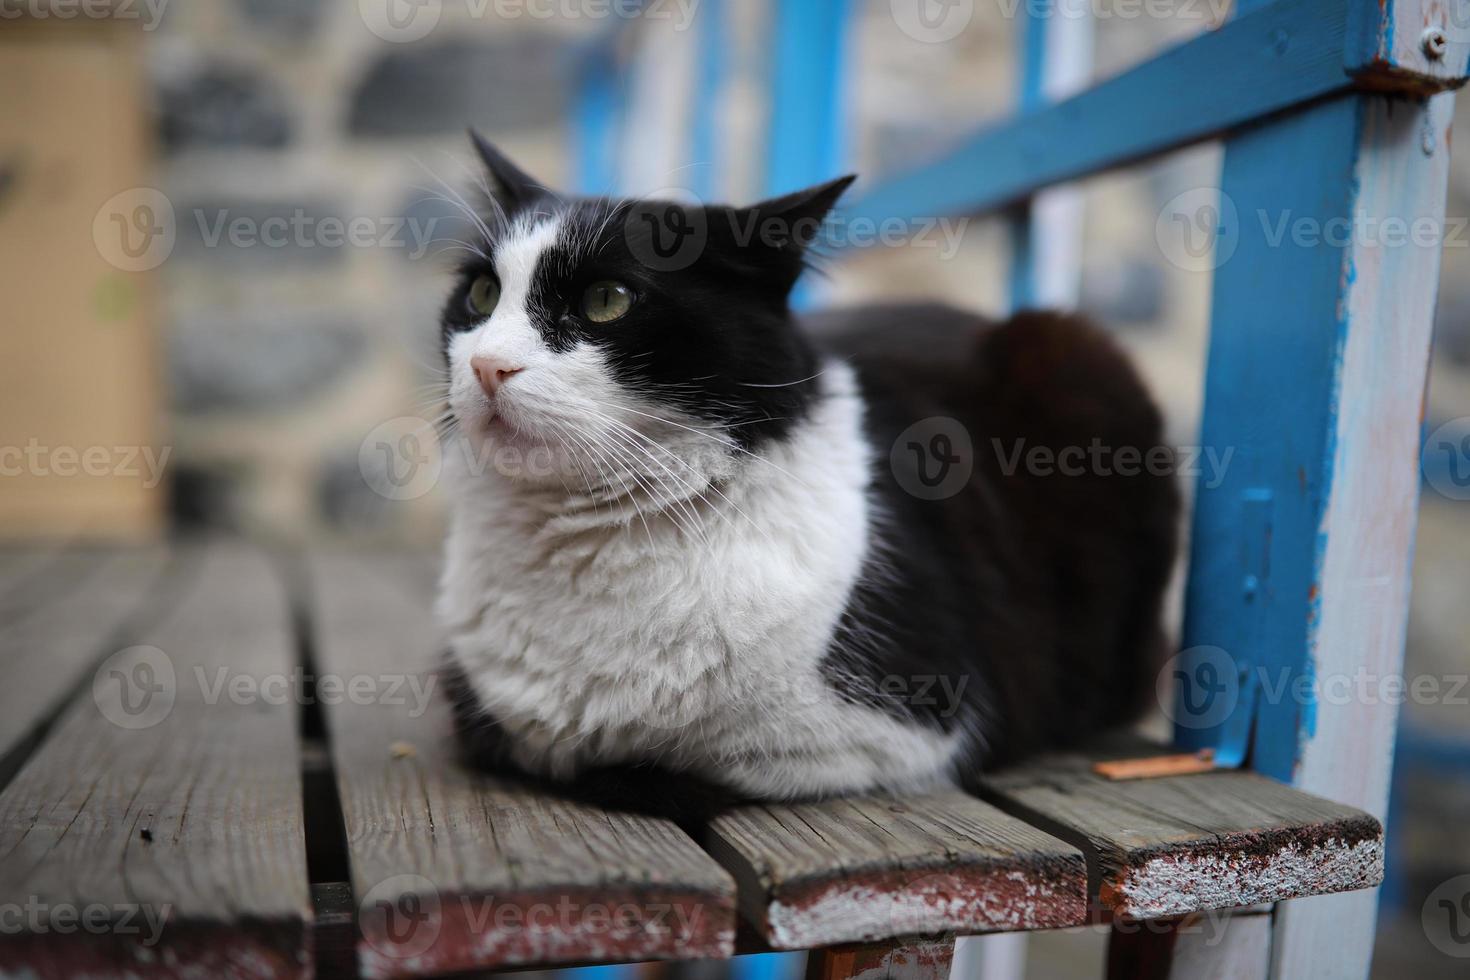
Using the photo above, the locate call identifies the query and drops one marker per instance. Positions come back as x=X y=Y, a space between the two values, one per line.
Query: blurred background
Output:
x=225 y=227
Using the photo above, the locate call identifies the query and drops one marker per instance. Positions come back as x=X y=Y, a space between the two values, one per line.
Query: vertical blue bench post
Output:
x=1319 y=346
x=805 y=135
x=1316 y=372
x=1046 y=230
x=805 y=132
x=705 y=123
x=597 y=117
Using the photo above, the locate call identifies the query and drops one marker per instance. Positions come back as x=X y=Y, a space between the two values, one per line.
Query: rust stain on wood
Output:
x=473 y=932
x=1179 y=844
x=865 y=868
x=244 y=950
x=963 y=899
x=1246 y=869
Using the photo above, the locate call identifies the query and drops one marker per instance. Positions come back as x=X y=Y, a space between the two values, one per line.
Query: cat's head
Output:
x=603 y=329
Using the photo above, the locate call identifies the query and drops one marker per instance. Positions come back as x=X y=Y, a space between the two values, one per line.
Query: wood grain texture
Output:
x=163 y=813
x=1180 y=844
x=454 y=870
x=57 y=613
x=870 y=868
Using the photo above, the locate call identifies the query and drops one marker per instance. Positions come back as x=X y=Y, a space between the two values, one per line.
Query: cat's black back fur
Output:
x=1038 y=593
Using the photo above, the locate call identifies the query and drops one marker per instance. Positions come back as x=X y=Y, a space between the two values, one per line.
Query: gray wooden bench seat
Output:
x=57 y=610
x=854 y=870
x=1173 y=845
x=328 y=828
x=157 y=828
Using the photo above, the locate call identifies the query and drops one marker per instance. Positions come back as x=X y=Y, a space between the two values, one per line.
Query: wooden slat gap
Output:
x=1077 y=839
x=328 y=865
x=171 y=583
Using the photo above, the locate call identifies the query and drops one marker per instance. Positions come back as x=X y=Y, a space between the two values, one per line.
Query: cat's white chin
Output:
x=496 y=447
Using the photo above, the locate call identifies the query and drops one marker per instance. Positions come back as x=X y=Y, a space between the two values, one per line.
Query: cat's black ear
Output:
x=515 y=187
x=774 y=236
x=802 y=212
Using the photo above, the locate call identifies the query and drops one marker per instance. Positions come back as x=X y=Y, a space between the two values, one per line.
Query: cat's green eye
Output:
x=484 y=294
x=606 y=301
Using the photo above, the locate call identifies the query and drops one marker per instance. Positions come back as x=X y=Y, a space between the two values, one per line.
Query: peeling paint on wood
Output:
x=965 y=900
x=580 y=925
x=240 y=951
x=872 y=868
x=1400 y=174
x=1178 y=844
x=1176 y=884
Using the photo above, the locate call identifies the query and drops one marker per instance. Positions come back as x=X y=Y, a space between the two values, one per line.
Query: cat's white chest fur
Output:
x=695 y=636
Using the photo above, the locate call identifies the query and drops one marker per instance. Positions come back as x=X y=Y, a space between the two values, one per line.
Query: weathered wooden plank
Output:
x=1179 y=844
x=454 y=870
x=57 y=613
x=157 y=830
x=852 y=870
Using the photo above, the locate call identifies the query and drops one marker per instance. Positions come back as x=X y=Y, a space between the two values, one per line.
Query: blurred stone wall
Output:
x=307 y=153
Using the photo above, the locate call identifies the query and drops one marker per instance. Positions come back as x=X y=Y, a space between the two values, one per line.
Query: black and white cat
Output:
x=688 y=547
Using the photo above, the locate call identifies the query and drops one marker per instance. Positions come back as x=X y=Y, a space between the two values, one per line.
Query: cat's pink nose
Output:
x=492 y=372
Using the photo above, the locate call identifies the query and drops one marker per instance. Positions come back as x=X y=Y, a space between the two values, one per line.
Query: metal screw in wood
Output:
x=1434 y=43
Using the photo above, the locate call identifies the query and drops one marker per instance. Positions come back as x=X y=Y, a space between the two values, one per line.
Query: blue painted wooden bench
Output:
x=1332 y=112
